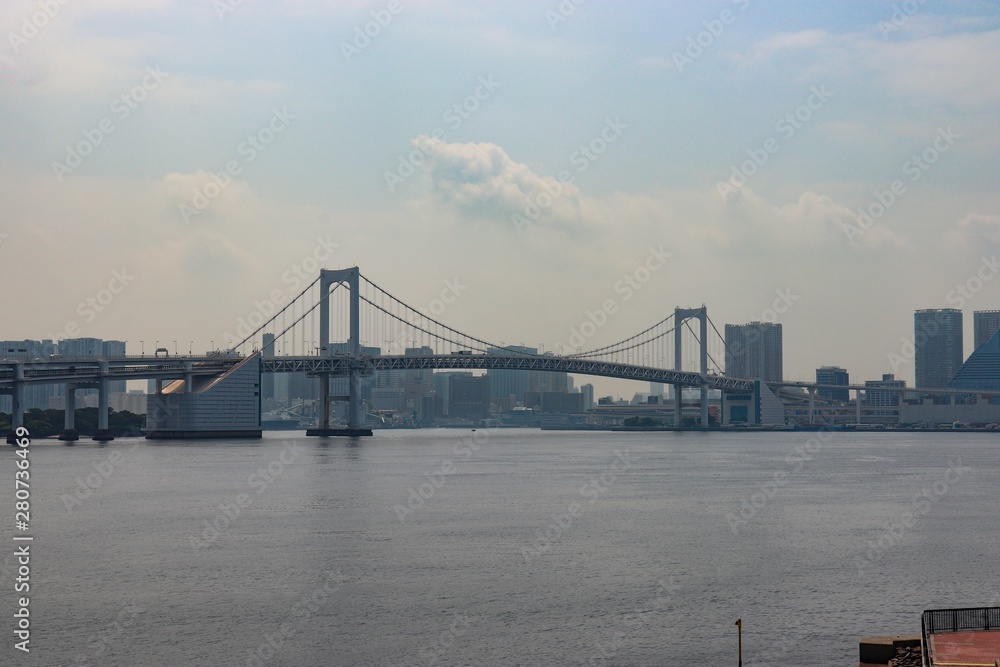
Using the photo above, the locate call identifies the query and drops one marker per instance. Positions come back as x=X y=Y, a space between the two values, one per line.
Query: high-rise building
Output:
x=876 y=394
x=40 y=395
x=937 y=346
x=588 y=396
x=985 y=323
x=834 y=375
x=468 y=396
x=505 y=383
x=35 y=395
x=754 y=351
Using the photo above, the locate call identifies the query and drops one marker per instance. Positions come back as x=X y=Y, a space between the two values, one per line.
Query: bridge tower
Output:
x=355 y=414
x=680 y=315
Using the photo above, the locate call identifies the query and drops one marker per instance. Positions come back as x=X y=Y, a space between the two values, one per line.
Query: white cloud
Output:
x=781 y=43
x=481 y=180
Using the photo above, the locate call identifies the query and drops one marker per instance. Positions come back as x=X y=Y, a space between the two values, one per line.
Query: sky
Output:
x=829 y=166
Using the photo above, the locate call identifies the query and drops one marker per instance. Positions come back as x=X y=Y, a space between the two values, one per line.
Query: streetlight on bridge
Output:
x=142 y=349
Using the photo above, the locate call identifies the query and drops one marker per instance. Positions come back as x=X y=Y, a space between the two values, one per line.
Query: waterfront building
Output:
x=937 y=346
x=754 y=350
x=834 y=375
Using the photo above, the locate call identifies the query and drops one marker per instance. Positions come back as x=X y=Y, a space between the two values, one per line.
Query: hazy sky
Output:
x=407 y=151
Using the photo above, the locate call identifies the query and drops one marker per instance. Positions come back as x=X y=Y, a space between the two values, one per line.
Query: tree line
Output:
x=44 y=423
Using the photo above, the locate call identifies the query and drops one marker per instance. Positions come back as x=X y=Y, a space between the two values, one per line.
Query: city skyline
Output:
x=847 y=189
x=756 y=346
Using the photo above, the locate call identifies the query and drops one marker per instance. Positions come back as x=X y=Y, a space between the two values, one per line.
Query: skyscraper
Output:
x=985 y=323
x=505 y=383
x=833 y=375
x=937 y=346
x=754 y=351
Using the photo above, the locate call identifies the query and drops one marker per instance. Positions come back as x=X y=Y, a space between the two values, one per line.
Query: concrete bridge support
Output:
x=103 y=434
x=17 y=403
x=69 y=432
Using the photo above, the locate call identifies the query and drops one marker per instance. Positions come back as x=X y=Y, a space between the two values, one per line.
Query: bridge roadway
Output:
x=87 y=370
x=342 y=365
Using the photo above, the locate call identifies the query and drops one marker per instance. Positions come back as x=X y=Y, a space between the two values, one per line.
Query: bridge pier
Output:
x=103 y=434
x=857 y=406
x=69 y=432
x=812 y=403
x=324 y=405
x=17 y=402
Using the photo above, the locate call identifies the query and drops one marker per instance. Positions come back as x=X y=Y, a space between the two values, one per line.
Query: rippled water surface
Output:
x=499 y=548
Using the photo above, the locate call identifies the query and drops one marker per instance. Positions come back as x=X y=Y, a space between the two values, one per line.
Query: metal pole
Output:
x=739 y=625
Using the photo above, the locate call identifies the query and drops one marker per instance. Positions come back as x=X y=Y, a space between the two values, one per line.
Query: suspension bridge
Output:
x=344 y=325
x=346 y=305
